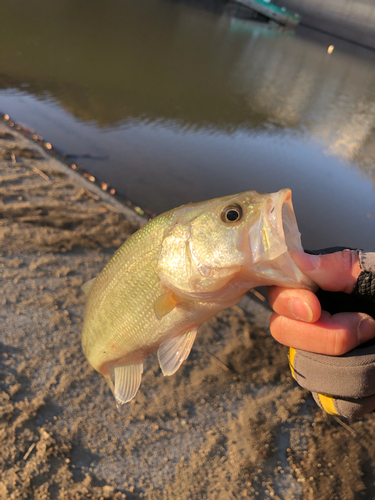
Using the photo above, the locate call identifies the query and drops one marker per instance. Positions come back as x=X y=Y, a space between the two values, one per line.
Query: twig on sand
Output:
x=346 y=426
x=111 y=208
x=223 y=365
x=239 y=310
x=258 y=295
x=89 y=193
x=42 y=174
x=26 y=455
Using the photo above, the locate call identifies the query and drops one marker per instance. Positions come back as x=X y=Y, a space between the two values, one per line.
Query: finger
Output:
x=294 y=303
x=335 y=272
x=333 y=335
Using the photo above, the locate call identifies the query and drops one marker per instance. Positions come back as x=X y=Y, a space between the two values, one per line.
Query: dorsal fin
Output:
x=86 y=287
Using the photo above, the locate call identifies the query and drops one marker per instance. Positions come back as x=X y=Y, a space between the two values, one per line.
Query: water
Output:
x=178 y=103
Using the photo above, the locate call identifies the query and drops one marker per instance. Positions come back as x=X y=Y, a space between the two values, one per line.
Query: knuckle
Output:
x=349 y=258
x=342 y=342
x=346 y=260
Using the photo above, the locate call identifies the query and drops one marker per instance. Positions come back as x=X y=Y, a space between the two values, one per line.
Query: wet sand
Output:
x=231 y=423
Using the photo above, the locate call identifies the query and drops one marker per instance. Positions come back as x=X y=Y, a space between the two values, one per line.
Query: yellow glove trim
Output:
x=328 y=404
x=292 y=353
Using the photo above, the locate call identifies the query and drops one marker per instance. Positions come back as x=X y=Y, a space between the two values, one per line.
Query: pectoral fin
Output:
x=86 y=287
x=126 y=381
x=165 y=304
x=173 y=352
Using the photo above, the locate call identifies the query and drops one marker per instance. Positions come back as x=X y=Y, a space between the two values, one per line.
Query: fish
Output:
x=179 y=270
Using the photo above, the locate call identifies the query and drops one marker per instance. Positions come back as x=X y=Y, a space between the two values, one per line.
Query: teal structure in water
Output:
x=267 y=8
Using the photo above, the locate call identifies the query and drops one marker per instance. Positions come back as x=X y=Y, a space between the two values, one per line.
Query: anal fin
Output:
x=173 y=351
x=126 y=381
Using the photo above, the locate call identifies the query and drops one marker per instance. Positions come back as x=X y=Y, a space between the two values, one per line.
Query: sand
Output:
x=231 y=423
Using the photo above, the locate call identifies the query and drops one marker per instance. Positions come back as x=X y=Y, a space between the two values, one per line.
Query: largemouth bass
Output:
x=179 y=270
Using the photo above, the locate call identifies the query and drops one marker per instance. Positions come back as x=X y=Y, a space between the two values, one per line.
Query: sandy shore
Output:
x=230 y=424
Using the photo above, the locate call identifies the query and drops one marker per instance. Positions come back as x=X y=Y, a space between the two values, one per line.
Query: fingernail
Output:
x=366 y=329
x=301 y=310
x=305 y=261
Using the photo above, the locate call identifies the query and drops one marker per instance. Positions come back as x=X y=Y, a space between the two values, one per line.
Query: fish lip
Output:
x=276 y=230
x=271 y=239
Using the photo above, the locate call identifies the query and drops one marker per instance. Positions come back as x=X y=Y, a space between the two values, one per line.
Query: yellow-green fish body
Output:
x=179 y=270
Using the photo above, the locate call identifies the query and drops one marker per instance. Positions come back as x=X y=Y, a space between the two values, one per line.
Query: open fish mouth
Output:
x=272 y=238
x=276 y=230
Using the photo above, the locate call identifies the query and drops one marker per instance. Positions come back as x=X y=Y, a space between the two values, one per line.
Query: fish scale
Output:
x=135 y=283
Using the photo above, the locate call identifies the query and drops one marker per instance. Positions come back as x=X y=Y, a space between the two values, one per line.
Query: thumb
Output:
x=335 y=272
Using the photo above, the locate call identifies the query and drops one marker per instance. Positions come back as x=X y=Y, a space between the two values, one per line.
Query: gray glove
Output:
x=342 y=385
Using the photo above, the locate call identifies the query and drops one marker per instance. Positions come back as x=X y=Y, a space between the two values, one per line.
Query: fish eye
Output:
x=231 y=213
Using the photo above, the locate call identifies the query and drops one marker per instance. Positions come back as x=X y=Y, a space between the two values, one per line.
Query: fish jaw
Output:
x=271 y=239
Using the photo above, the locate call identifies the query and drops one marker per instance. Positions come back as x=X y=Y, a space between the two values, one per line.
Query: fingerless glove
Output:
x=342 y=385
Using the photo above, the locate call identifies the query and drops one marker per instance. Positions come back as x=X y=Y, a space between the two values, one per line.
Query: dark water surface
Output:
x=181 y=104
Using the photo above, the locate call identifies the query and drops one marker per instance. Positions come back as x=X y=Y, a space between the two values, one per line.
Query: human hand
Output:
x=300 y=322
